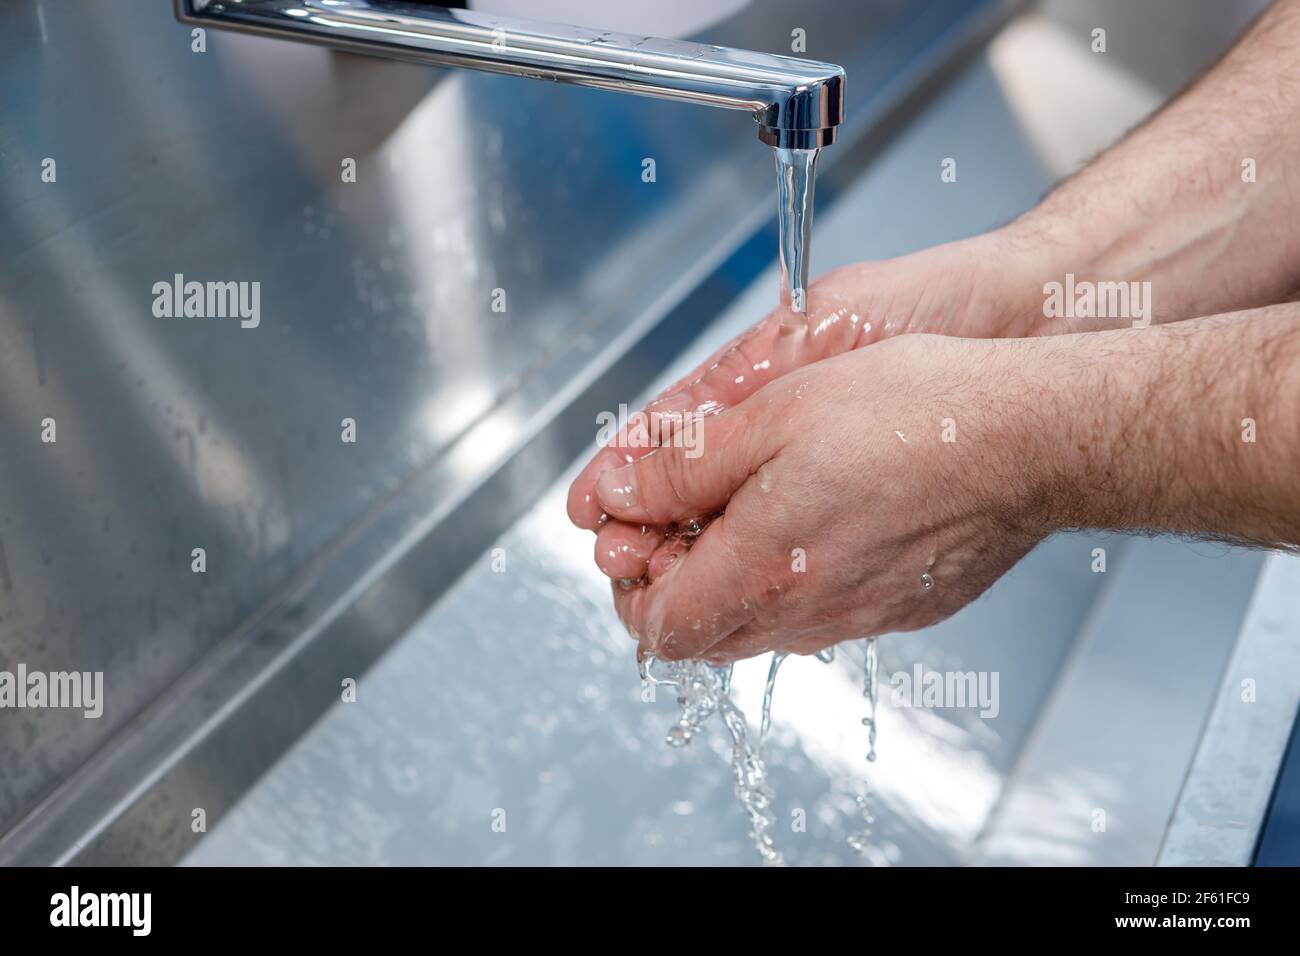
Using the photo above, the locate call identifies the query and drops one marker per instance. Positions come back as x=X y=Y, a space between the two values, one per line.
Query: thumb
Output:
x=695 y=474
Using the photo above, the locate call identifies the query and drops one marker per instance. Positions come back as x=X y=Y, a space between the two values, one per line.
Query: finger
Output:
x=697 y=477
x=839 y=318
x=697 y=602
x=781 y=342
x=665 y=556
x=748 y=641
x=630 y=442
x=720 y=382
x=753 y=639
x=623 y=551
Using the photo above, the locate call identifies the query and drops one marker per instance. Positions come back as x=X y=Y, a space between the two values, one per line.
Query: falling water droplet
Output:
x=766 y=725
x=869 y=692
x=860 y=841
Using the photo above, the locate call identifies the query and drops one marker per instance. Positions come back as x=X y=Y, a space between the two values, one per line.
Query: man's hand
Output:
x=982 y=287
x=884 y=489
x=846 y=513
x=1200 y=202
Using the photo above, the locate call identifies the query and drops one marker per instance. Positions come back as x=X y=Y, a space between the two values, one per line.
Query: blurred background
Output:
x=430 y=560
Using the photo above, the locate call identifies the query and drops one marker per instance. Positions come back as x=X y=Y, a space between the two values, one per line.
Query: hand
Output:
x=986 y=286
x=845 y=512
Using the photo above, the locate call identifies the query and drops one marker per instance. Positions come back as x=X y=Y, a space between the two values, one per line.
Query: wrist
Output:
x=1005 y=271
x=1069 y=415
x=1187 y=428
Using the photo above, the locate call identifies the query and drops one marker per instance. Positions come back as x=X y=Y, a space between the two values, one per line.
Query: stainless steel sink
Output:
x=377 y=306
x=510 y=695
x=515 y=698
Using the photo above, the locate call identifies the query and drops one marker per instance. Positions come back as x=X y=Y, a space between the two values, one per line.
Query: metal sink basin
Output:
x=499 y=718
x=515 y=702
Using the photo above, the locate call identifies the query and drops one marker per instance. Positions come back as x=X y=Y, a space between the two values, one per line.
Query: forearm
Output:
x=1192 y=427
x=1173 y=204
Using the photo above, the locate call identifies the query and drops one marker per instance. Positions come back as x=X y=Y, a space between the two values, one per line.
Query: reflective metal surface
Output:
x=516 y=697
x=478 y=688
x=376 y=306
x=1224 y=799
x=518 y=690
x=796 y=103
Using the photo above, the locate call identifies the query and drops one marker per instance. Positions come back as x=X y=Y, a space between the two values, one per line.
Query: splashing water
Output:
x=777 y=658
x=860 y=840
x=869 y=692
x=702 y=691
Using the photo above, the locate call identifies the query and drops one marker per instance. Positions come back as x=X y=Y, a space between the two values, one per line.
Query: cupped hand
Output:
x=979 y=287
x=880 y=490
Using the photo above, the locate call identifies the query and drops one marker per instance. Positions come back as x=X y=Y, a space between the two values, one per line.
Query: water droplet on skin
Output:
x=927 y=581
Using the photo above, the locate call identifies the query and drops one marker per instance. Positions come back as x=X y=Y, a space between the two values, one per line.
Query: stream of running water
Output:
x=796 y=175
x=705 y=689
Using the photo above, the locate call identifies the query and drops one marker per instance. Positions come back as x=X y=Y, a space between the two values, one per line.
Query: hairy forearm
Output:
x=1202 y=201
x=1191 y=427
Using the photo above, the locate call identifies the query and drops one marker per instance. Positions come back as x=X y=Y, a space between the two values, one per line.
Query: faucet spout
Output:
x=797 y=103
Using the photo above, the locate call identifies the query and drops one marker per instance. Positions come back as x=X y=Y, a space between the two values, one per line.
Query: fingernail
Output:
x=616 y=488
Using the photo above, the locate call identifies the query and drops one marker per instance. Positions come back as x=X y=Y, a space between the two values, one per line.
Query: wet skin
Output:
x=801 y=416
x=786 y=566
x=885 y=488
x=947 y=290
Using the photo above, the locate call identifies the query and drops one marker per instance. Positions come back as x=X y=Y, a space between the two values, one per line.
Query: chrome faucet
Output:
x=796 y=103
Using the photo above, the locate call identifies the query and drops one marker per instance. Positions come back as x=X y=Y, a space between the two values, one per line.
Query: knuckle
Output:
x=666 y=478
